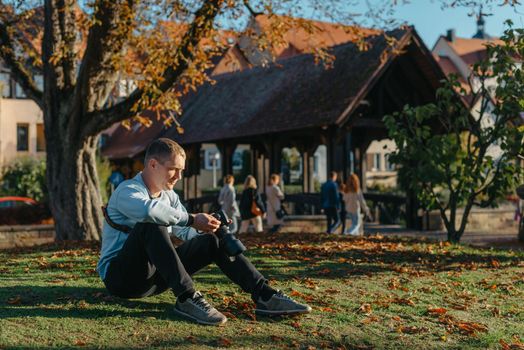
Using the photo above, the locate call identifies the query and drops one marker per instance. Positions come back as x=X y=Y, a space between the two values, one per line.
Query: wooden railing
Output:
x=386 y=208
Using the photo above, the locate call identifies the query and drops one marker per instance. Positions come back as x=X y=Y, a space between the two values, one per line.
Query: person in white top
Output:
x=274 y=196
x=228 y=202
x=355 y=203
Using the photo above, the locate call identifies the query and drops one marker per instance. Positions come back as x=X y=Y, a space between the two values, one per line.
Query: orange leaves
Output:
x=471 y=328
x=224 y=342
x=462 y=327
x=411 y=329
x=365 y=309
x=80 y=342
x=437 y=311
x=494 y=263
x=403 y=301
x=516 y=344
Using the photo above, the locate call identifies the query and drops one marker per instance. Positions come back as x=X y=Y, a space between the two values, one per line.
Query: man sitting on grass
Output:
x=138 y=259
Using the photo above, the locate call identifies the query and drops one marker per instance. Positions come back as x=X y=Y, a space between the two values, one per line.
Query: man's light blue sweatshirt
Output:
x=130 y=204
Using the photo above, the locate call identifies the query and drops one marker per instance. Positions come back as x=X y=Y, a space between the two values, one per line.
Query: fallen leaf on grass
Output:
x=80 y=342
x=191 y=339
x=471 y=328
x=276 y=338
x=494 y=263
x=437 y=311
x=370 y=319
x=296 y=325
x=365 y=308
x=411 y=329
x=225 y=342
x=403 y=301
x=516 y=345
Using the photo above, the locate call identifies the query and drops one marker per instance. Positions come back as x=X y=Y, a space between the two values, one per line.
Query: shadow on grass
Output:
x=327 y=257
x=217 y=341
x=67 y=301
x=90 y=303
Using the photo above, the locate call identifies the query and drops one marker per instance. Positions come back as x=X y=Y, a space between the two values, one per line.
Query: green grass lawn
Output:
x=366 y=293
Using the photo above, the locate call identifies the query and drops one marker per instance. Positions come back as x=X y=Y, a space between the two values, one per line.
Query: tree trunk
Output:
x=454 y=236
x=73 y=188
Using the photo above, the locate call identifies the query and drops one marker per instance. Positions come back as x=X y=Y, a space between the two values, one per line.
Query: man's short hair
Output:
x=163 y=149
x=332 y=174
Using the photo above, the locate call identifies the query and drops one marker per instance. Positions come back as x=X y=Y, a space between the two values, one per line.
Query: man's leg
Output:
x=244 y=225
x=327 y=212
x=203 y=250
x=333 y=219
x=147 y=264
x=257 y=224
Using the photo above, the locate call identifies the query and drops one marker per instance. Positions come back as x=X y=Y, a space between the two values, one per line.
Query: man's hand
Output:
x=205 y=222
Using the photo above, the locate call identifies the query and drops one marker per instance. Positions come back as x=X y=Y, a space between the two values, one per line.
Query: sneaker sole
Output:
x=197 y=320
x=277 y=313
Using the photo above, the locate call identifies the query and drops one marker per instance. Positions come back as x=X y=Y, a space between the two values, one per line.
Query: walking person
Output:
x=342 y=212
x=251 y=206
x=228 y=203
x=355 y=204
x=274 y=197
x=330 y=201
x=138 y=259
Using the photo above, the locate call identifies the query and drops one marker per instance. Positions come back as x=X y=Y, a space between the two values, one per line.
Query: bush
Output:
x=25 y=177
x=103 y=168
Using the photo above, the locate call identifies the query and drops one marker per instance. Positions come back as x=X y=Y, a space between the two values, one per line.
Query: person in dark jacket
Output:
x=250 y=195
x=330 y=201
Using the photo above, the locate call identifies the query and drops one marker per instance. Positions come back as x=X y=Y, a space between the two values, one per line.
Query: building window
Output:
x=209 y=158
x=389 y=165
x=22 y=137
x=238 y=160
x=19 y=92
x=40 y=138
x=376 y=162
x=5 y=84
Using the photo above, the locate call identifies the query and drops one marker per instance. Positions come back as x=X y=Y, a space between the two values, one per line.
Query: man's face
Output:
x=168 y=173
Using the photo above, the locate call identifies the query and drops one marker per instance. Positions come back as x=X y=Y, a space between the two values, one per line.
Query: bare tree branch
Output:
x=18 y=70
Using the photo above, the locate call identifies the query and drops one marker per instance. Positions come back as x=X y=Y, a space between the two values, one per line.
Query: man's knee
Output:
x=210 y=239
x=151 y=228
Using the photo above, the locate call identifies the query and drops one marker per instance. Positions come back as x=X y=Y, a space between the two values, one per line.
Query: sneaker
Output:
x=197 y=309
x=280 y=304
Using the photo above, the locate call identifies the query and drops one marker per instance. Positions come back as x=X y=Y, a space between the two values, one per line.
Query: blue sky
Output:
x=431 y=21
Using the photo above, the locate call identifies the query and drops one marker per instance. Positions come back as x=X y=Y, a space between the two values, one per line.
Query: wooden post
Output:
x=226 y=150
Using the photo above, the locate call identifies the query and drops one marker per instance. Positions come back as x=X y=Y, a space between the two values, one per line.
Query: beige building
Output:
x=21 y=123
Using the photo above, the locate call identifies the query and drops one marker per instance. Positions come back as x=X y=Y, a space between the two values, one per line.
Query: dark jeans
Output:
x=148 y=264
x=333 y=221
x=343 y=216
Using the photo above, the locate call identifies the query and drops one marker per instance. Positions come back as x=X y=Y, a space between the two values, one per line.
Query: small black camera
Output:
x=227 y=240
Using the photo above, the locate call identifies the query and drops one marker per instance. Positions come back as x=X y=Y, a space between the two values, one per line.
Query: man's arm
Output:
x=201 y=222
x=136 y=205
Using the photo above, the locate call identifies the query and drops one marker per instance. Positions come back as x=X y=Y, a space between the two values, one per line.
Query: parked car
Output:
x=14 y=202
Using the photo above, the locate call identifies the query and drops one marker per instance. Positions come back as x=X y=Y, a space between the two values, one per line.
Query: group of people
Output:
x=342 y=202
x=252 y=208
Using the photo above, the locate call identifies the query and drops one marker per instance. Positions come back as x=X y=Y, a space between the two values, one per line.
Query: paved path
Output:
x=499 y=239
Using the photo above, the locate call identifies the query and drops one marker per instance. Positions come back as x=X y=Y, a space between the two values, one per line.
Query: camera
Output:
x=227 y=240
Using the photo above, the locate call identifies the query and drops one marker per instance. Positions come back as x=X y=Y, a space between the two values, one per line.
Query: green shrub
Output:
x=25 y=177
